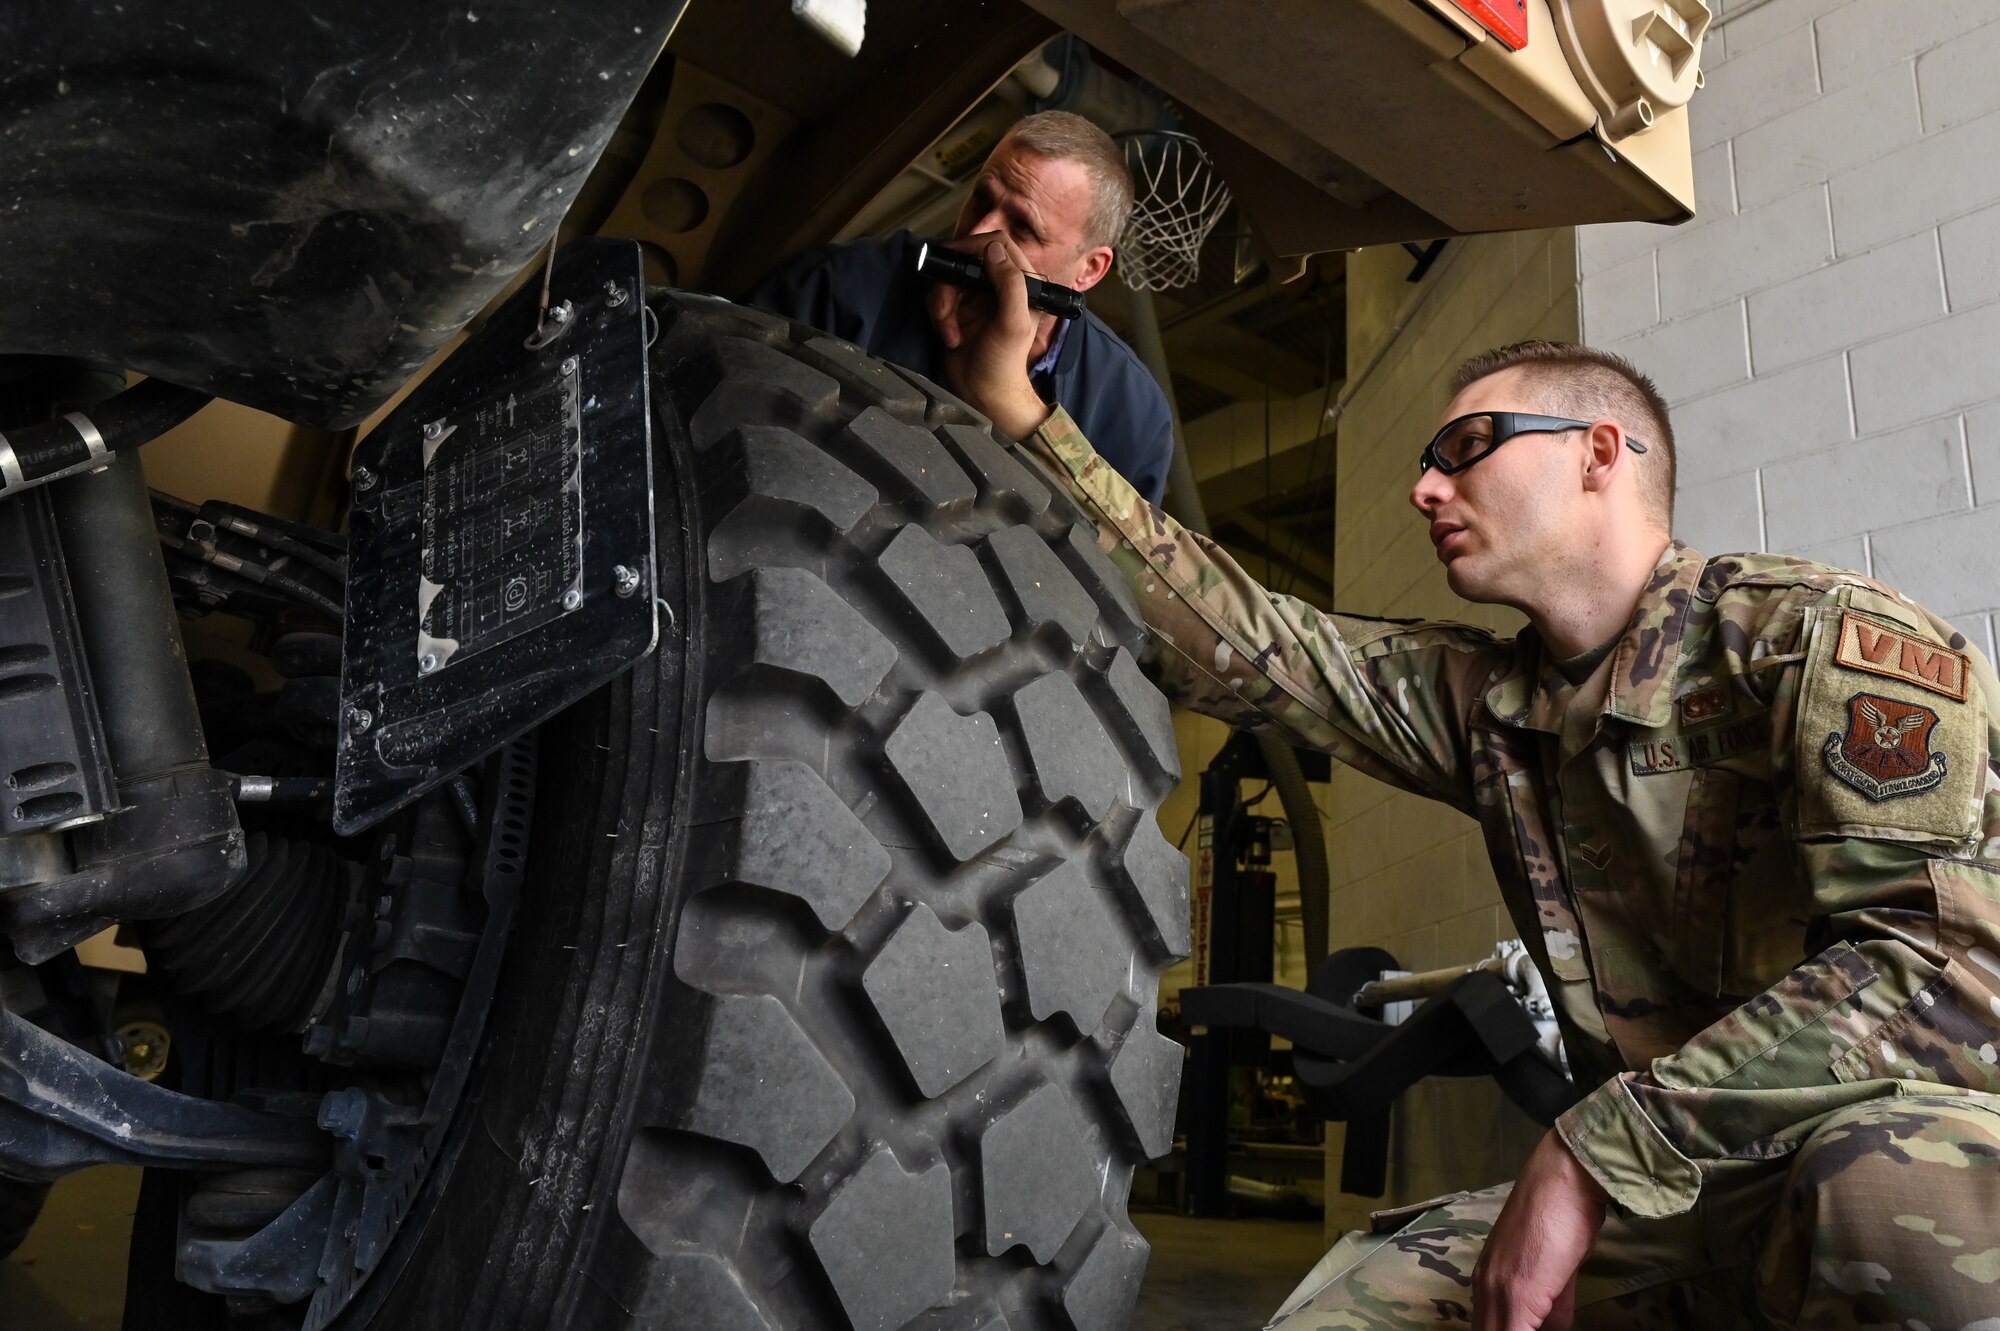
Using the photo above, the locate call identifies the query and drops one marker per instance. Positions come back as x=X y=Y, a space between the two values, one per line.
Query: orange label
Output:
x=1866 y=644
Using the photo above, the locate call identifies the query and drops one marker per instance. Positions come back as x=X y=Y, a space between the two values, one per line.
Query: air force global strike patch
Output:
x=1886 y=752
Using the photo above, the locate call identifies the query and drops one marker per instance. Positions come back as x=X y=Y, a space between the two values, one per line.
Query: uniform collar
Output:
x=1637 y=681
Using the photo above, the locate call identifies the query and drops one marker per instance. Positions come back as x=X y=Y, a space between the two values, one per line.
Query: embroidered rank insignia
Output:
x=1704 y=703
x=1870 y=645
x=1886 y=752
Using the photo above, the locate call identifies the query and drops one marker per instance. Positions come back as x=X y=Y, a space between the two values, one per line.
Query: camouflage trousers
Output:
x=1888 y=1216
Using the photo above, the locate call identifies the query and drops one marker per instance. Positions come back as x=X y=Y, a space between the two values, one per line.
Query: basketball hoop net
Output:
x=1177 y=198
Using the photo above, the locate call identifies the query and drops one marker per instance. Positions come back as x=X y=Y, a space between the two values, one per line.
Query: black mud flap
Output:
x=501 y=539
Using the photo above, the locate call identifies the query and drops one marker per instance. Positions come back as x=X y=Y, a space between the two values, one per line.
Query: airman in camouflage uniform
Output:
x=1756 y=854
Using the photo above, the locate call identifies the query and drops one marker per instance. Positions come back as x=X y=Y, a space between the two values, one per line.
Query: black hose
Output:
x=1280 y=762
x=256 y=527
x=36 y=454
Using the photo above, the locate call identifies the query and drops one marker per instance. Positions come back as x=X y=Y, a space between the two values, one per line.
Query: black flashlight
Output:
x=939 y=263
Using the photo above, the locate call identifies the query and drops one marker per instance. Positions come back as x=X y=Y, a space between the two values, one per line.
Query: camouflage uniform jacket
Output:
x=1756 y=853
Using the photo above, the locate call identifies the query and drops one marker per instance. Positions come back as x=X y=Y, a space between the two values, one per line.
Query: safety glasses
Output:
x=1466 y=440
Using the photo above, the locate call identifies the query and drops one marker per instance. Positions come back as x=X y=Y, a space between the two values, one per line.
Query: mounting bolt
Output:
x=358 y=720
x=572 y=599
x=614 y=295
x=624 y=580
x=434 y=430
x=569 y=365
x=364 y=479
x=427 y=663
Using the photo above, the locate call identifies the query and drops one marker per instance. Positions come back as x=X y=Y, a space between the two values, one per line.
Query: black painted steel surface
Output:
x=293 y=204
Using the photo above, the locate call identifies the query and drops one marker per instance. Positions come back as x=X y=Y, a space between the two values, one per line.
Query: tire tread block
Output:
x=783 y=465
x=760 y=381
x=764 y=1086
x=736 y=319
x=1148 y=716
x=998 y=473
x=1115 y=601
x=949 y=591
x=700 y=1289
x=913 y=454
x=1073 y=958
x=946 y=406
x=958 y=774
x=1071 y=756
x=871 y=379
x=1158 y=873
x=799 y=838
x=1047 y=591
x=1099 y=1297
x=1146 y=1078
x=885 y=1241
x=933 y=989
x=1036 y=1175
x=803 y=626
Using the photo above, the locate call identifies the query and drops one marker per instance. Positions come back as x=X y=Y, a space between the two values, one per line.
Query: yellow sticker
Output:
x=1872 y=646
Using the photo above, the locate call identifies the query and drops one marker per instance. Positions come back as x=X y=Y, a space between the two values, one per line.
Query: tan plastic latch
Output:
x=1635 y=59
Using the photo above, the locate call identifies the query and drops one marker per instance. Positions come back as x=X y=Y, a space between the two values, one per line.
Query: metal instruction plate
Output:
x=501 y=536
x=503 y=519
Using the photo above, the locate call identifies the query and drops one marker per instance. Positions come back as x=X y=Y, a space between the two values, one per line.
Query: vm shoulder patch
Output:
x=1883 y=745
x=1878 y=649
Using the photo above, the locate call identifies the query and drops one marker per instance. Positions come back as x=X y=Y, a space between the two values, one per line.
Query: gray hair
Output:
x=1068 y=137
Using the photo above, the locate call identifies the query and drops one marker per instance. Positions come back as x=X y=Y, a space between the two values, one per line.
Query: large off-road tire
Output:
x=832 y=1003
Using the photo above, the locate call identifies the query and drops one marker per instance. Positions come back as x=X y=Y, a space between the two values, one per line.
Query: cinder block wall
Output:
x=1410 y=875
x=1828 y=328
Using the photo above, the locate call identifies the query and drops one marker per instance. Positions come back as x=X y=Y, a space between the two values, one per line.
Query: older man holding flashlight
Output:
x=1057 y=187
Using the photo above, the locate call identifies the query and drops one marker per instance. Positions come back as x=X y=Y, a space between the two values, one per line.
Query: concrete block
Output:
x=1858 y=39
x=1692 y=356
x=1765 y=22
x=1464 y=939
x=1956 y=80
x=1850 y=302
x=1773 y=416
x=1849 y=552
x=1829 y=134
x=1939 y=176
x=1715 y=194
x=1756 y=248
x=1982 y=440
x=1941 y=367
x=1609 y=244
x=1946 y=563
x=1971 y=246
x=1751 y=88
x=1865 y=485
x=1719 y=517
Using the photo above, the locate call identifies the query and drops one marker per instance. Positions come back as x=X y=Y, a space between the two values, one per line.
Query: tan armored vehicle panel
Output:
x=1336 y=126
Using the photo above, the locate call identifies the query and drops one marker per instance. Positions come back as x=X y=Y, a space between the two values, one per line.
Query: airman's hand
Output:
x=1525 y=1278
x=988 y=339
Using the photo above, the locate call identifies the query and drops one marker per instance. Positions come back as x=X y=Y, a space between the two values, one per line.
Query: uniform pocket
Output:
x=1943 y=1034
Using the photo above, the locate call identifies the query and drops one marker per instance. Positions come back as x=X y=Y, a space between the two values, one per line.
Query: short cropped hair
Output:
x=1587 y=384
x=1066 y=136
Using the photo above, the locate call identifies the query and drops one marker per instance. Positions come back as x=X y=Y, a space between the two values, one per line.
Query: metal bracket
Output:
x=61 y=1109
x=501 y=553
